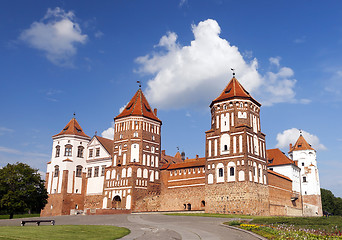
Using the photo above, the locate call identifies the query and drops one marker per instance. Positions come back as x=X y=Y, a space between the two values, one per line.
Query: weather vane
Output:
x=74 y=114
x=178 y=149
x=233 y=70
x=139 y=83
x=300 y=131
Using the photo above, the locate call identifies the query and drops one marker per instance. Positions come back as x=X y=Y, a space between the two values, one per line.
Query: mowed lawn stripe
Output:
x=64 y=232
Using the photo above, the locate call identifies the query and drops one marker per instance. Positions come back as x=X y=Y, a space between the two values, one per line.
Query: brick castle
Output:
x=132 y=174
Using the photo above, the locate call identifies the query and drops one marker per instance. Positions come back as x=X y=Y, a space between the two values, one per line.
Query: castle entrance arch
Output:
x=116 y=203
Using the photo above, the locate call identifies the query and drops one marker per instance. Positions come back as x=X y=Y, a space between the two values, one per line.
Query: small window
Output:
x=68 y=150
x=90 y=153
x=302 y=164
x=304 y=179
x=225 y=147
x=58 y=151
x=103 y=170
x=121 y=136
x=231 y=171
x=299 y=145
x=90 y=170
x=135 y=134
x=79 y=171
x=271 y=169
x=221 y=172
x=97 y=152
x=153 y=138
x=56 y=171
x=80 y=152
x=96 y=171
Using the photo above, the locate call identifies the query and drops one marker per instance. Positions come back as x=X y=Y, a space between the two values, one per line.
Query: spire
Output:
x=234 y=90
x=138 y=106
x=72 y=128
x=301 y=144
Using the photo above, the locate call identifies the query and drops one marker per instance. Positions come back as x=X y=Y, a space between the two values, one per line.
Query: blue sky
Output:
x=61 y=57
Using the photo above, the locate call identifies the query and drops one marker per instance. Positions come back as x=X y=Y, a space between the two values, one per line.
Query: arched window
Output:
x=56 y=171
x=129 y=172
x=231 y=171
x=80 y=152
x=79 y=171
x=145 y=173
x=58 y=151
x=123 y=172
x=220 y=172
x=139 y=173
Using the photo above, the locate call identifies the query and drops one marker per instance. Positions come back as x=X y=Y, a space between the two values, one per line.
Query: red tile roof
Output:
x=108 y=144
x=278 y=174
x=72 y=128
x=67 y=160
x=166 y=159
x=233 y=90
x=275 y=157
x=138 y=106
x=197 y=162
x=301 y=144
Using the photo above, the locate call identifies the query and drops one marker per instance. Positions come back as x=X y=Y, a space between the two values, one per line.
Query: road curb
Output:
x=245 y=231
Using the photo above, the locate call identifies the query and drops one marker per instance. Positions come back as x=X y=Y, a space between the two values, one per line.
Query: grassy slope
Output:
x=63 y=232
x=20 y=216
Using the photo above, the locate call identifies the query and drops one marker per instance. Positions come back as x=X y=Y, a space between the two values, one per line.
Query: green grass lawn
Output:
x=63 y=232
x=20 y=216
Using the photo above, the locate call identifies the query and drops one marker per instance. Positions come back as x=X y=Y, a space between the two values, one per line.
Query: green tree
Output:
x=21 y=189
x=330 y=203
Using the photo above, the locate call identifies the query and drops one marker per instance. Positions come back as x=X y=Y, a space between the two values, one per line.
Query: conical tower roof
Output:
x=138 y=106
x=72 y=128
x=301 y=144
x=234 y=90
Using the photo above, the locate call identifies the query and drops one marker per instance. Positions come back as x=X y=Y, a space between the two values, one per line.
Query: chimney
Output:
x=183 y=155
x=196 y=156
x=290 y=146
x=155 y=111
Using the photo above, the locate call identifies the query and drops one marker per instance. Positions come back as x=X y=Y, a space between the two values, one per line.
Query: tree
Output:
x=330 y=203
x=21 y=189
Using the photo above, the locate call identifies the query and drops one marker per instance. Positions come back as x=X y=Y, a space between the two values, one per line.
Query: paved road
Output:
x=155 y=226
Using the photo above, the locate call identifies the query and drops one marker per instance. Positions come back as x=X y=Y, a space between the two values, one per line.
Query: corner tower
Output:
x=134 y=173
x=236 y=173
x=65 y=176
x=305 y=155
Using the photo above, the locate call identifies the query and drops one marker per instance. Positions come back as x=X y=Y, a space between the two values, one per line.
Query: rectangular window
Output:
x=103 y=170
x=304 y=179
x=97 y=152
x=80 y=152
x=90 y=152
x=79 y=171
x=96 y=171
x=58 y=150
x=67 y=151
x=302 y=164
x=90 y=170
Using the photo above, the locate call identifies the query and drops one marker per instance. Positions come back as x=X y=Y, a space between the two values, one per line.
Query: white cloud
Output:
x=275 y=61
x=99 y=34
x=123 y=107
x=57 y=35
x=195 y=74
x=291 y=136
x=4 y=130
x=182 y=2
x=109 y=132
x=18 y=152
x=300 y=40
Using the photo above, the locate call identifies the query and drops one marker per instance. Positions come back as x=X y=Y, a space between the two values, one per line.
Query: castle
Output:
x=133 y=174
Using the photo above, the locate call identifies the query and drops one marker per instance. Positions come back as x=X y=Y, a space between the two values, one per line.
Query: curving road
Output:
x=155 y=226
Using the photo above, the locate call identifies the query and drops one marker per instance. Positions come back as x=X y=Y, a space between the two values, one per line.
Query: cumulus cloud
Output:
x=275 y=61
x=57 y=35
x=109 y=132
x=193 y=75
x=291 y=136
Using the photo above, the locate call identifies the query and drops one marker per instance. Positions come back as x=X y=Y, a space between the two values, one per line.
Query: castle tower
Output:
x=65 y=176
x=134 y=173
x=236 y=173
x=305 y=155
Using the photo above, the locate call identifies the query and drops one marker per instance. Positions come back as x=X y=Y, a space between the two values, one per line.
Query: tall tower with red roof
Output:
x=134 y=173
x=305 y=155
x=65 y=176
x=236 y=173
